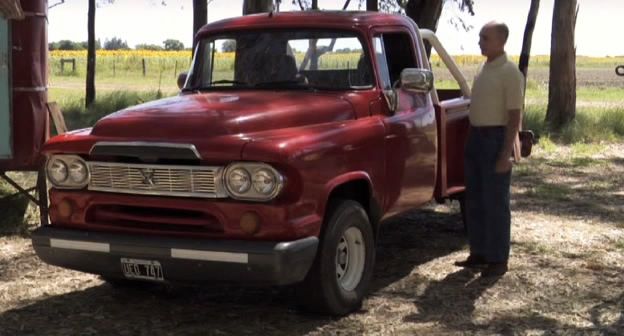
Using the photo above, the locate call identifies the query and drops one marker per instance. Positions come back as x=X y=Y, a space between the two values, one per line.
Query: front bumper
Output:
x=182 y=260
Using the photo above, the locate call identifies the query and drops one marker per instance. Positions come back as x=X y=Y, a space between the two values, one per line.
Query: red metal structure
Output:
x=24 y=58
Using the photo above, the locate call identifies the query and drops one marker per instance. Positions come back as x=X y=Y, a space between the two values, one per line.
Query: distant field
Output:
x=124 y=69
x=600 y=95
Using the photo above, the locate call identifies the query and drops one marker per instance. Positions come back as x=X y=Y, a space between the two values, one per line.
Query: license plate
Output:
x=142 y=269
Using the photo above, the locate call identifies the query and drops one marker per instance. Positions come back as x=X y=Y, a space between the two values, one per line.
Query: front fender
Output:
x=323 y=157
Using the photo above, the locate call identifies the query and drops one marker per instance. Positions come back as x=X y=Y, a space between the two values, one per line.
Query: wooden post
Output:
x=57 y=118
x=68 y=60
x=175 y=70
x=113 y=67
x=144 y=69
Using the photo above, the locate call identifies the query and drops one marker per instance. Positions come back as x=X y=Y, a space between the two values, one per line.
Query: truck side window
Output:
x=399 y=54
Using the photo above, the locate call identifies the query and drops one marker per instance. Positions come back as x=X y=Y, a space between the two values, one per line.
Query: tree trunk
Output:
x=562 y=83
x=200 y=17
x=426 y=14
x=372 y=5
x=525 y=54
x=315 y=4
x=90 y=85
x=257 y=6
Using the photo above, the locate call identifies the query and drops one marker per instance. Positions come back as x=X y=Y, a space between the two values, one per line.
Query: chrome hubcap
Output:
x=350 y=259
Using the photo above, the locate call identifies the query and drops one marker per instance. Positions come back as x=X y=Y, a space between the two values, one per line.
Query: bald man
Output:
x=495 y=113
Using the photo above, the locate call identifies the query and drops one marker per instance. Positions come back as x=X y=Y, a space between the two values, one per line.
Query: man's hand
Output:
x=503 y=165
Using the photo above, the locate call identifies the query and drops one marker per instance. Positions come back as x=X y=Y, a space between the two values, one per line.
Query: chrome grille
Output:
x=162 y=180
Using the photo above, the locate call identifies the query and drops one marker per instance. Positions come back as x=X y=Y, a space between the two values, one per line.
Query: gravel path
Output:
x=566 y=277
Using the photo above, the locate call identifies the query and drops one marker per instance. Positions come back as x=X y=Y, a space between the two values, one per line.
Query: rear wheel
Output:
x=339 y=278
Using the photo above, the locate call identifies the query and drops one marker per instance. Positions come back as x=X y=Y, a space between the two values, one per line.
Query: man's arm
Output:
x=503 y=164
x=514 y=100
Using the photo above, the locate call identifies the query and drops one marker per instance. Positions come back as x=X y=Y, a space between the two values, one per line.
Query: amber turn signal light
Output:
x=250 y=223
x=64 y=209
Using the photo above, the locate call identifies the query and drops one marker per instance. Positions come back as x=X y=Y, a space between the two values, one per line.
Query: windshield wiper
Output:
x=217 y=86
x=284 y=84
x=229 y=81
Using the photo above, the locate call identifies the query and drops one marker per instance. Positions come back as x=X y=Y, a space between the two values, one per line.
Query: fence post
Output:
x=113 y=67
x=68 y=60
x=175 y=70
x=144 y=70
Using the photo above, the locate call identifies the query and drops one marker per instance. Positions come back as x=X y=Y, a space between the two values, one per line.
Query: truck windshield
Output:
x=294 y=59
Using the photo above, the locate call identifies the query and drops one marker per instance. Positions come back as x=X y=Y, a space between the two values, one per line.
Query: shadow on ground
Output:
x=405 y=243
x=12 y=212
x=451 y=301
x=578 y=188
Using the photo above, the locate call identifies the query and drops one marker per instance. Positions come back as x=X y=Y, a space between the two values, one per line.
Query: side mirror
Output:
x=619 y=70
x=417 y=80
x=182 y=79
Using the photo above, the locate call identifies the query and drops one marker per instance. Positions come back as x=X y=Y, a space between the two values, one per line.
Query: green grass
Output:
x=591 y=125
x=600 y=112
x=77 y=116
x=595 y=94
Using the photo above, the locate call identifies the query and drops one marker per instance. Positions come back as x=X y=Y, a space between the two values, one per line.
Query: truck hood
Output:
x=204 y=115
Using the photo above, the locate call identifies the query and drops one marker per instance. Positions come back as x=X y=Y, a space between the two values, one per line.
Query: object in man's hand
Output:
x=527 y=139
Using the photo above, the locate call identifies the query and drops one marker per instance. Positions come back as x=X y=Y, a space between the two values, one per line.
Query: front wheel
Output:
x=342 y=271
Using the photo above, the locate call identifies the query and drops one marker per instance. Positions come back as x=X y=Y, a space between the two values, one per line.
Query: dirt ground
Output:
x=566 y=276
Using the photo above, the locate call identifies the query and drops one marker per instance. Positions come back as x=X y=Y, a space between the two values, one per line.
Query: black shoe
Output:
x=494 y=270
x=473 y=261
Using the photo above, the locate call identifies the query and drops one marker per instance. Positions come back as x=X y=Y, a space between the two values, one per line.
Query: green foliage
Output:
x=171 y=44
x=148 y=47
x=71 y=45
x=77 y=116
x=229 y=46
x=65 y=45
x=547 y=145
x=115 y=44
x=592 y=124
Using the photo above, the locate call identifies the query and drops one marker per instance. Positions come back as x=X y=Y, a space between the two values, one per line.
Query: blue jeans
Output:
x=488 y=215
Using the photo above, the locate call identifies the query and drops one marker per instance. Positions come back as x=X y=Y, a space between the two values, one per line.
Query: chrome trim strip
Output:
x=31 y=89
x=238 y=258
x=36 y=14
x=79 y=245
x=157 y=193
x=171 y=145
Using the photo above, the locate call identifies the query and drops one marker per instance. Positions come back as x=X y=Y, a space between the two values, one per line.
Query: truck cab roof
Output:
x=311 y=18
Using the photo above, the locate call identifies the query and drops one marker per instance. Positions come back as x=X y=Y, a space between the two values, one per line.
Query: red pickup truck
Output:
x=274 y=166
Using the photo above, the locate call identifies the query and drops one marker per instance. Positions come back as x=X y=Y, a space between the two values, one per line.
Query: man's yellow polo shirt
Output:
x=497 y=88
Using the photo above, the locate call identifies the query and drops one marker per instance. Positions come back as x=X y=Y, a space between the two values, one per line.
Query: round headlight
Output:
x=238 y=180
x=264 y=181
x=78 y=172
x=57 y=171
